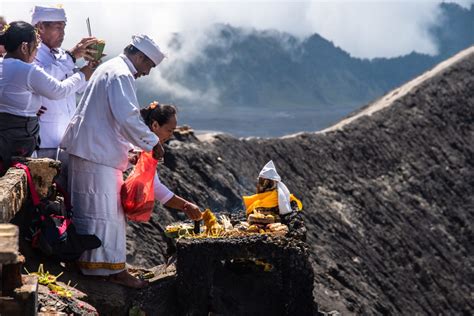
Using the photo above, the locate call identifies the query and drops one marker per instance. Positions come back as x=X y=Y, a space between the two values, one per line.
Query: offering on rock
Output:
x=260 y=218
x=274 y=204
x=178 y=229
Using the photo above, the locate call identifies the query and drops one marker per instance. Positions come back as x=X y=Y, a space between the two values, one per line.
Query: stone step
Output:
x=13 y=193
x=24 y=300
x=9 y=236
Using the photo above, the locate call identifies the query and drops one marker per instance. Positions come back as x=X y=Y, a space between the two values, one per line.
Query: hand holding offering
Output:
x=83 y=49
x=96 y=50
x=192 y=211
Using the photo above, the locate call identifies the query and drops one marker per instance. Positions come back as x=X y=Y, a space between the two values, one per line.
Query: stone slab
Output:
x=9 y=243
x=28 y=294
x=43 y=170
x=24 y=300
x=13 y=193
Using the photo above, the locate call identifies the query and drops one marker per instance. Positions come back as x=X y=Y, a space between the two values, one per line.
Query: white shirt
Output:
x=54 y=121
x=162 y=193
x=107 y=121
x=22 y=86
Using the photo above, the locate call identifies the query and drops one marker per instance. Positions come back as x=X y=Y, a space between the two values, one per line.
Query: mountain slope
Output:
x=388 y=197
x=270 y=69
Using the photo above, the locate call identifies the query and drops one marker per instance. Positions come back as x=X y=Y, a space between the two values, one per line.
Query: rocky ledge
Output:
x=388 y=196
x=234 y=276
x=241 y=275
x=388 y=203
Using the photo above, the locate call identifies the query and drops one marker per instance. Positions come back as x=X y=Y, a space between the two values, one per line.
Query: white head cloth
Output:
x=269 y=172
x=148 y=47
x=47 y=14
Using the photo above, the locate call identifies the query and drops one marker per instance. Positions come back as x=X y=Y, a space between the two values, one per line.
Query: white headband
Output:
x=148 y=47
x=47 y=14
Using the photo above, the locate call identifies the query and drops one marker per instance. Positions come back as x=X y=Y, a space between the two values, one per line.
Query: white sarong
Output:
x=97 y=209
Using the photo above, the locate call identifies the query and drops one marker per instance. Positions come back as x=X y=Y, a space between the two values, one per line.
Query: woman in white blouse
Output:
x=22 y=86
x=162 y=120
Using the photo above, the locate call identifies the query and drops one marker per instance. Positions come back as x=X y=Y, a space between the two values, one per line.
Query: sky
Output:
x=359 y=27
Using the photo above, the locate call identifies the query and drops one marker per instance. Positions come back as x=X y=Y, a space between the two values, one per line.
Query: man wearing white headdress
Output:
x=59 y=63
x=278 y=195
x=106 y=125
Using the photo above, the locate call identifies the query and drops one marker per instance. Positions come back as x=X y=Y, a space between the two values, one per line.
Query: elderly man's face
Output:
x=52 y=33
x=144 y=66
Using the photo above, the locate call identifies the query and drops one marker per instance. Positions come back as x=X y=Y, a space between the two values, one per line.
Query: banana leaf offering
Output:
x=99 y=48
x=177 y=230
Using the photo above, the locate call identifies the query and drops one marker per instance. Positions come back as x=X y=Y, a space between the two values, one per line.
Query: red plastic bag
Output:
x=137 y=193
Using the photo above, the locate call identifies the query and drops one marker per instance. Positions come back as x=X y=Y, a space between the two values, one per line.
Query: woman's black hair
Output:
x=17 y=33
x=161 y=113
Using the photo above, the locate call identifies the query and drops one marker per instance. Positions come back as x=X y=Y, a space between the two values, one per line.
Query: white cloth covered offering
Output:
x=269 y=172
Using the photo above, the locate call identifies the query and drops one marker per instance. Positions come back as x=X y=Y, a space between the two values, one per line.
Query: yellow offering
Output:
x=266 y=200
x=213 y=228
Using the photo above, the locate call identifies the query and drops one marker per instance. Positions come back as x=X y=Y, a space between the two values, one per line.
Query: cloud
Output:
x=360 y=27
x=377 y=29
x=363 y=28
x=176 y=91
x=463 y=3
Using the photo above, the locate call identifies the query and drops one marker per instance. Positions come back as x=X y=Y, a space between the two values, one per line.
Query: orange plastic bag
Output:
x=137 y=193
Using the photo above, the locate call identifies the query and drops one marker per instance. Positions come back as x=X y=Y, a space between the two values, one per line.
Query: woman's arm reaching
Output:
x=169 y=199
x=191 y=209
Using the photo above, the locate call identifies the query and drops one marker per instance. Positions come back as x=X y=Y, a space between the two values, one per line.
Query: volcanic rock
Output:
x=241 y=276
x=388 y=196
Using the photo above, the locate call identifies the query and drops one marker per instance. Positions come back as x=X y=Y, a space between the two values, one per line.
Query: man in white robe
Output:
x=105 y=126
x=59 y=63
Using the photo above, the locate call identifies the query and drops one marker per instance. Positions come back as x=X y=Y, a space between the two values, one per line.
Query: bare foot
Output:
x=128 y=280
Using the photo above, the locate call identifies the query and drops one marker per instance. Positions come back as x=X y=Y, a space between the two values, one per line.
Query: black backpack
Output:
x=51 y=229
x=55 y=235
